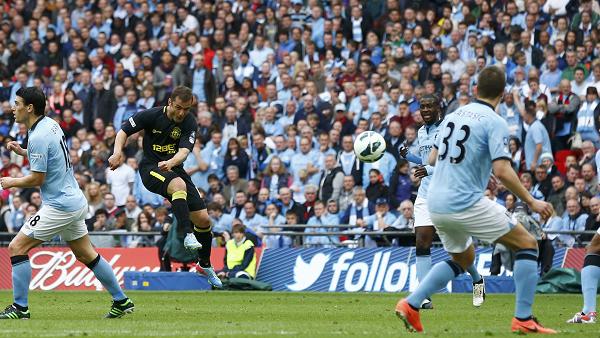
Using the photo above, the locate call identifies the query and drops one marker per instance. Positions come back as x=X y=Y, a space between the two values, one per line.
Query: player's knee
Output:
x=16 y=248
x=424 y=238
x=202 y=221
x=177 y=184
x=85 y=257
x=592 y=248
x=423 y=242
x=528 y=242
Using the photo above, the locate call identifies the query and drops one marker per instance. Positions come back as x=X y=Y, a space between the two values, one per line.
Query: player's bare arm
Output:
x=178 y=159
x=35 y=179
x=506 y=174
x=16 y=148
x=116 y=159
x=433 y=156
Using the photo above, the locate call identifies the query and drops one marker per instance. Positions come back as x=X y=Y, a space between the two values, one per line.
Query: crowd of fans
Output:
x=283 y=87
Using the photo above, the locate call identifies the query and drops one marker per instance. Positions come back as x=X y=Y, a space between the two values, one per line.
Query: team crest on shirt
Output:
x=506 y=145
x=176 y=133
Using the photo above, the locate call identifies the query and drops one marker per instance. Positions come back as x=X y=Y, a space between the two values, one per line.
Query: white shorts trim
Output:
x=49 y=222
x=422 y=217
x=485 y=220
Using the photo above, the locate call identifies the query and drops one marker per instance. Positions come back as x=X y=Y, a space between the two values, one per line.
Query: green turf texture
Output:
x=269 y=314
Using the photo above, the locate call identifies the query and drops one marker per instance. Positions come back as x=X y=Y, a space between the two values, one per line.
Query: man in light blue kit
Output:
x=470 y=142
x=63 y=206
x=430 y=107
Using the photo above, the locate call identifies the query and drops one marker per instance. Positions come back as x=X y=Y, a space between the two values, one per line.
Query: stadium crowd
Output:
x=283 y=87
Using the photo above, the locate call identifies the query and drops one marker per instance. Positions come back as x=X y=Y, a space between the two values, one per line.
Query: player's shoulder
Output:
x=190 y=119
x=43 y=128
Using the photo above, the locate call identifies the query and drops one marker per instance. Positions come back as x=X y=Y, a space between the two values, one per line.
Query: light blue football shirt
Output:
x=426 y=137
x=537 y=134
x=468 y=141
x=48 y=153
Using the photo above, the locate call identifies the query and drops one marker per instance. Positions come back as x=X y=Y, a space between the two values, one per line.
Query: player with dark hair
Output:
x=472 y=141
x=590 y=276
x=431 y=110
x=63 y=210
x=169 y=136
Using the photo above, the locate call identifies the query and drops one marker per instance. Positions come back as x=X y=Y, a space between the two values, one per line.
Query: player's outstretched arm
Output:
x=505 y=173
x=116 y=159
x=35 y=179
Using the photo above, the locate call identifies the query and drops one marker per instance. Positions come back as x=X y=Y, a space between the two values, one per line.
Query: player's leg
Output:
x=21 y=276
x=75 y=234
x=41 y=227
x=177 y=189
x=524 y=245
x=202 y=232
x=85 y=253
x=459 y=244
x=590 y=276
x=424 y=239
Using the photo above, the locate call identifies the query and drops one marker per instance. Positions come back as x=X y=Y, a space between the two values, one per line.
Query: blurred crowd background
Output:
x=284 y=86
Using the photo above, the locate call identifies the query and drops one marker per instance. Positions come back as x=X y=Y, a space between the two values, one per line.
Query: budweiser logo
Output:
x=58 y=269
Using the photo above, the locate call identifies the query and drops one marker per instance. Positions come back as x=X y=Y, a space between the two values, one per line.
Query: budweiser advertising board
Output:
x=57 y=269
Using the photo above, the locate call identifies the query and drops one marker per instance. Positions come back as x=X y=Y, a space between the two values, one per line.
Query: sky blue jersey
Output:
x=48 y=153
x=468 y=141
x=426 y=137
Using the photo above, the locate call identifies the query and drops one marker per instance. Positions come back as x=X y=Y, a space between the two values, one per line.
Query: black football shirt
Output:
x=163 y=137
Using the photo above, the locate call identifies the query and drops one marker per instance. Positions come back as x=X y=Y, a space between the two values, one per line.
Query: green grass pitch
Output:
x=268 y=314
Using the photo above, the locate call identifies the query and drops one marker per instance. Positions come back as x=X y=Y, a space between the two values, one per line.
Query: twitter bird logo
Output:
x=306 y=274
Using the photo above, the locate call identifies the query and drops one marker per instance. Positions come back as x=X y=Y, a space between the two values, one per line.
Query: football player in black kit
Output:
x=169 y=136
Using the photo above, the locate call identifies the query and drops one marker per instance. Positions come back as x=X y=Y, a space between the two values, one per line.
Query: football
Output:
x=369 y=146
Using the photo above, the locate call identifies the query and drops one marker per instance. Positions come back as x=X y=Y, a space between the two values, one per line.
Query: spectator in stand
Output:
x=110 y=205
x=589 y=175
x=234 y=184
x=275 y=177
x=589 y=154
x=120 y=182
x=288 y=204
x=275 y=218
x=382 y=220
x=237 y=209
x=240 y=256
x=592 y=223
x=321 y=217
x=253 y=220
x=537 y=140
x=564 y=108
x=221 y=223
x=94 y=198
x=557 y=196
x=358 y=210
x=400 y=185
x=331 y=181
x=310 y=197
x=376 y=188
x=346 y=193
x=573 y=220
x=235 y=156
x=587 y=117
x=132 y=210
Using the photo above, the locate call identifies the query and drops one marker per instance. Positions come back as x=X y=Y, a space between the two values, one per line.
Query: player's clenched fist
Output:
x=115 y=161
x=165 y=165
